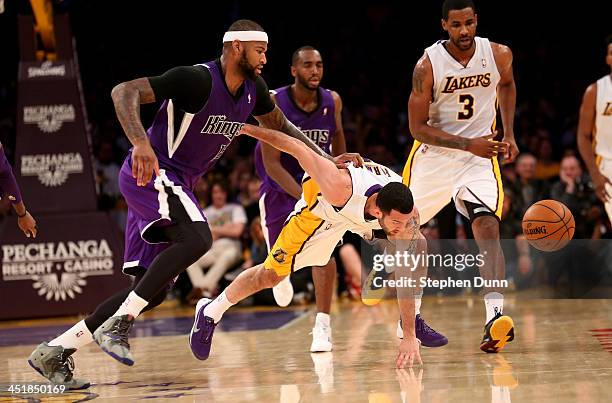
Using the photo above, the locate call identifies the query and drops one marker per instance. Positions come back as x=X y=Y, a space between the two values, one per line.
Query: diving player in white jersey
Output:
x=595 y=126
x=452 y=111
x=370 y=201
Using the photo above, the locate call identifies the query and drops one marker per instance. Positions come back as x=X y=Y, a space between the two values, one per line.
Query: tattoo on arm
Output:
x=276 y=120
x=418 y=76
x=459 y=143
x=127 y=98
x=414 y=227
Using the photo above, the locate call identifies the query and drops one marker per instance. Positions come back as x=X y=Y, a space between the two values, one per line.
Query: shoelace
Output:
x=319 y=331
x=64 y=365
x=123 y=330
x=207 y=333
x=425 y=327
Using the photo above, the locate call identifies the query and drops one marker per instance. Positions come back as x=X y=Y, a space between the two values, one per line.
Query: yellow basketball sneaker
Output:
x=498 y=332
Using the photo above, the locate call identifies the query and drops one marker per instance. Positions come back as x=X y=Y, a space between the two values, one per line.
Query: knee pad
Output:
x=476 y=210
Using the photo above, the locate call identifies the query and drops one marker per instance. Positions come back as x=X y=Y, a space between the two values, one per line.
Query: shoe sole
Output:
x=123 y=360
x=322 y=349
x=502 y=332
x=195 y=322
x=85 y=386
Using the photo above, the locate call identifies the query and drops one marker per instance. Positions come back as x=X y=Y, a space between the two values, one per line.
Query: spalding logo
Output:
x=541 y=230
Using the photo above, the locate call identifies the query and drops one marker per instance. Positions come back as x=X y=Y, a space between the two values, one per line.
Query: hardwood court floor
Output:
x=559 y=355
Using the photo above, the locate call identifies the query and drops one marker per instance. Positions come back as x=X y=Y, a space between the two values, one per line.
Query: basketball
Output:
x=548 y=225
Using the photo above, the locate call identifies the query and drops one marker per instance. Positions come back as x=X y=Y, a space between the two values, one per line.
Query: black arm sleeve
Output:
x=188 y=86
x=265 y=103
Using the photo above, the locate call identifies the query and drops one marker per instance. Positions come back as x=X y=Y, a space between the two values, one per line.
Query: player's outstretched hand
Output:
x=408 y=353
x=27 y=224
x=144 y=162
x=486 y=147
x=342 y=159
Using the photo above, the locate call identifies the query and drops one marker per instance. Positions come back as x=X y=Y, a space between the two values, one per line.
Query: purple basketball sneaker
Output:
x=426 y=335
x=200 y=339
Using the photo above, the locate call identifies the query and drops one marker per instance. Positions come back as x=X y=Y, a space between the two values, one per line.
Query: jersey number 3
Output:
x=468 y=107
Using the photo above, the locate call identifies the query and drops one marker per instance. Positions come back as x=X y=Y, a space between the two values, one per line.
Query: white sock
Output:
x=217 y=307
x=75 y=337
x=494 y=302
x=500 y=394
x=417 y=306
x=132 y=305
x=322 y=319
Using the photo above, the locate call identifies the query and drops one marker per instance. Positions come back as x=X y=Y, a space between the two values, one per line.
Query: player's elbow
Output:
x=124 y=90
x=417 y=132
x=118 y=92
x=297 y=148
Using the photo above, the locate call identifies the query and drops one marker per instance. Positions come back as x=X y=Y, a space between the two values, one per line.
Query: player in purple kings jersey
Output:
x=204 y=107
x=318 y=113
x=10 y=190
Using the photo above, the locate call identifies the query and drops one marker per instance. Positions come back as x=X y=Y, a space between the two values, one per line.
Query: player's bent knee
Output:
x=269 y=278
x=487 y=226
x=199 y=238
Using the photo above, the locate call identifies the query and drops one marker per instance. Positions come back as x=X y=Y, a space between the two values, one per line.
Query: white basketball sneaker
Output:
x=321 y=339
x=283 y=292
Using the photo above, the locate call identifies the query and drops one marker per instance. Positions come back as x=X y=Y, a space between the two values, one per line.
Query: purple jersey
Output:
x=319 y=125
x=194 y=147
x=8 y=184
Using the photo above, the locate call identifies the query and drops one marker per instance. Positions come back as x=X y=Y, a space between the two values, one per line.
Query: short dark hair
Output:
x=245 y=25
x=609 y=40
x=296 y=55
x=223 y=185
x=450 y=5
x=395 y=196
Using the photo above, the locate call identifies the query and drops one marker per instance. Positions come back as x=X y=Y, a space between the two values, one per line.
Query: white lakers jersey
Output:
x=464 y=98
x=603 y=118
x=366 y=181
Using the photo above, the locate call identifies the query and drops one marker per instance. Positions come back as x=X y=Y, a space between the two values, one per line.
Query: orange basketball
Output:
x=548 y=225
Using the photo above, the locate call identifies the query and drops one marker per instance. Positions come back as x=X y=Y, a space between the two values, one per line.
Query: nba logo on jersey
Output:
x=324 y=111
x=484 y=63
x=249 y=97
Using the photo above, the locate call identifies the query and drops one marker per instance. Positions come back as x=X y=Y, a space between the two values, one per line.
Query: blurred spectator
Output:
x=546 y=167
x=251 y=202
x=227 y=222
x=259 y=250
x=107 y=183
x=575 y=189
x=242 y=187
x=201 y=192
x=527 y=190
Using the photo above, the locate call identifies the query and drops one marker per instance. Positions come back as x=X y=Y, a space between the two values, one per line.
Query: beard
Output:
x=306 y=84
x=245 y=67
x=388 y=231
x=462 y=46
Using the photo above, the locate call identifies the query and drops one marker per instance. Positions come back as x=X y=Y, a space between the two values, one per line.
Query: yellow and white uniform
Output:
x=315 y=227
x=602 y=131
x=464 y=104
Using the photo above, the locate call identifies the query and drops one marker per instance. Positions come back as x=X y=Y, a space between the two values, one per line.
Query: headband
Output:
x=245 y=36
